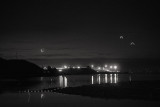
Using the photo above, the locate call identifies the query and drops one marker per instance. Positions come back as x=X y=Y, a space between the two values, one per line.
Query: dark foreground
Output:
x=140 y=90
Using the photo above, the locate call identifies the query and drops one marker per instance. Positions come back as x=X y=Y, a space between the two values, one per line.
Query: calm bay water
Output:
x=12 y=98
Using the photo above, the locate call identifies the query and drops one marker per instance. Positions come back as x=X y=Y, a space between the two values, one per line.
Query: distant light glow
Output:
x=115 y=67
x=105 y=66
x=107 y=69
x=111 y=67
x=60 y=70
x=78 y=67
x=45 y=68
x=65 y=66
x=92 y=66
x=99 y=68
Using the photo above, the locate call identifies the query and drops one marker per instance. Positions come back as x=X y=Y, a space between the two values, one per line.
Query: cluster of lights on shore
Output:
x=68 y=67
x=105 y=68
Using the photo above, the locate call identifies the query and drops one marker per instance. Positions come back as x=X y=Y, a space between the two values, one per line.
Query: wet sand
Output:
x=140 y=90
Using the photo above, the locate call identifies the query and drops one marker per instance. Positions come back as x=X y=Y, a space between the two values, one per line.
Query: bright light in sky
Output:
x=105 y=65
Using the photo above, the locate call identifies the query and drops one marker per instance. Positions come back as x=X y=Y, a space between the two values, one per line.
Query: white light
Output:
x=115 y=67
x=115 y=78
x=99 y=68
x=107 y=69
x=92 y=66
x=65 y=66
x=105 y=65
x=110 y=78
x=78 y=67
x=45 y=68
x=60 y=70
x=111 y=67
x=61 y=81
x=99 y=79
x=105 y=78
x=92 y=80
x=65 y=82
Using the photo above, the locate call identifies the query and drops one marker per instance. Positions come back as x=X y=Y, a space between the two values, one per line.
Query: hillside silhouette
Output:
x=18 y=68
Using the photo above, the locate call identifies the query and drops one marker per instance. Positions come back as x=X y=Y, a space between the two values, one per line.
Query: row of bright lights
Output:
x=65 y=67
x=111 y=67
x=92 y=66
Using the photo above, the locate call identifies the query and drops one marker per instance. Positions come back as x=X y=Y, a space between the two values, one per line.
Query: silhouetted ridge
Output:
x=18 y=68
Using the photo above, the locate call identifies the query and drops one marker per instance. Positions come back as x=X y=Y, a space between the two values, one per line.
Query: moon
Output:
x=42 y=50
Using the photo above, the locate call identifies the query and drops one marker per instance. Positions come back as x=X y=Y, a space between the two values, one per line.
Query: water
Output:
x=10 y=95
x=79 y=80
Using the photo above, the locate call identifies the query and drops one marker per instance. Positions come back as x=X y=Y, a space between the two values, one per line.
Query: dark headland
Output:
x=18 y=68
x=23 y=68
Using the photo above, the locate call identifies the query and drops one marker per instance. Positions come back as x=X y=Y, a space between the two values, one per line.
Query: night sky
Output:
x=57 y=32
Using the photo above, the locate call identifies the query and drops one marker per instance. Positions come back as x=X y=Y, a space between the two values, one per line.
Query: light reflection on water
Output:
x=62 y=81
x=43 y=98
x=78 y=80
x=104 y=78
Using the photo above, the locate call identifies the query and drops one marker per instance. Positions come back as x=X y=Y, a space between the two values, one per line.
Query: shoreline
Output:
x=143 y=90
